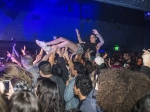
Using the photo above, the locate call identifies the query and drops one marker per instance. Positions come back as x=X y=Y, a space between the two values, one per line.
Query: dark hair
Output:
x=84 y=83
x=45 y=67
x=79 y=67
x=57 y=70
x=143 y=105
x=89 y=66
x=24 y=101
x=49 y=96
x=119 y=89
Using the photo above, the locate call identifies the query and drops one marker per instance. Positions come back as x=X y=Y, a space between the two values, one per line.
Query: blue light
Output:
x=101 y=50
x=147 y=15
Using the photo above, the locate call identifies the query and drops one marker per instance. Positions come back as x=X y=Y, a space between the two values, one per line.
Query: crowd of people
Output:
x=69 y=77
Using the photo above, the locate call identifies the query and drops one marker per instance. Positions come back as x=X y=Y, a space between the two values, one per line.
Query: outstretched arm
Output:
x=78 y=35
x=38 y=57
x=14 y=52
x=99 y=37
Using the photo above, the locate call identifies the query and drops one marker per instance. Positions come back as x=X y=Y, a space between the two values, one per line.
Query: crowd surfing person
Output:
x=78 y=48
x=77 y=81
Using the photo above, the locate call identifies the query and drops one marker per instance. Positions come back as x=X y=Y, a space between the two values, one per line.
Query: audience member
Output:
x=71 y=100
x=24 y=101
x=143 y=105
x=83 y=88
x=27 y=62
x=45 y=71
x=49 y=96
x=119 y=89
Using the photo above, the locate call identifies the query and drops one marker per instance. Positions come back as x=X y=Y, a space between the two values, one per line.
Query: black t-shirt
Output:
x=80 y=103
x=91 y=46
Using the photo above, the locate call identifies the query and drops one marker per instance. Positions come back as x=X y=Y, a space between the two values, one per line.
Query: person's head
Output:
x=143 y=105
x=57 y=70
x=82 y=85
x=49 y=96
x=99 y=60
x=93 y=38
x=140 y=61
x=89 y=66
x=16 y=74
x=26 y=61
x=78 y=69
x=24 y=101
x=45 y=68
x=122 y=89
x=126 y=56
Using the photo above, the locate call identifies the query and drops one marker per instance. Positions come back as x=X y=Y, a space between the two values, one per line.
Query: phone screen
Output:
x=6 y=85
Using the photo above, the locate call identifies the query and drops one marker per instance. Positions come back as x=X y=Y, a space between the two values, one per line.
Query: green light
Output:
x=116 y=48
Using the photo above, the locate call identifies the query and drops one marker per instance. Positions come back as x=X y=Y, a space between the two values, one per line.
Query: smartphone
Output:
x=6 y=85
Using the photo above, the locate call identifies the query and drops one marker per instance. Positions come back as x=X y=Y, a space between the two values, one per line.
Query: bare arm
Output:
x=51 y=58
x=99 y=37
x=23 y=50
x=38 y=57
x=79 y=37
x=13 y=59
x=14 y=52
x=67 y=58
x=97 y=51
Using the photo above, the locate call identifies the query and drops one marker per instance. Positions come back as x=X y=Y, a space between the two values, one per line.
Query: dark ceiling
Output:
x=143 y=5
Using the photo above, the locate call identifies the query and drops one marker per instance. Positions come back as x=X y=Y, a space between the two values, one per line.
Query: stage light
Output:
x=147 y=15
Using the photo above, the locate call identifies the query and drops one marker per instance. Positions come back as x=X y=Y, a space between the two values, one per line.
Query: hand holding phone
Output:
x=8 y=89
x=6 y=85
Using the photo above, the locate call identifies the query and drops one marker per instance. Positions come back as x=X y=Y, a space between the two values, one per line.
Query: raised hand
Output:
x=66 y=53
x=95 y=31
x=23 y=50
x=59 y=52
x=77 y=31
x=72 y=55
x=14 y=45
x=11 y=91
x=105 y=55
x=97 y=48
x=9 y=55
x=54 y=48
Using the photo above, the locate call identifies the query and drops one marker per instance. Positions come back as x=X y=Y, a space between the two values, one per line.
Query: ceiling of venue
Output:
x=135 y=4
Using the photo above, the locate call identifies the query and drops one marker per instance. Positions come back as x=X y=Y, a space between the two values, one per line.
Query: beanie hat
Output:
x=99 y=60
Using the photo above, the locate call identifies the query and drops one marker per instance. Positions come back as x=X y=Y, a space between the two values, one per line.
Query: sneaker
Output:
x=41 y=44
x=47 y=48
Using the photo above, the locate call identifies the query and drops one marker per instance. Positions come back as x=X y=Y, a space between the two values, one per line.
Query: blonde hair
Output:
x=16 y=73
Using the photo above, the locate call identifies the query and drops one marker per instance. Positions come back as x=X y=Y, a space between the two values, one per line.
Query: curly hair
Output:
x=49 y=96
x=84 y=83
x=119 y=89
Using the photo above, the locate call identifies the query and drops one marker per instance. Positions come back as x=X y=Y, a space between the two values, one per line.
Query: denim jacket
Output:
x=71 y=100
x=89 y=104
